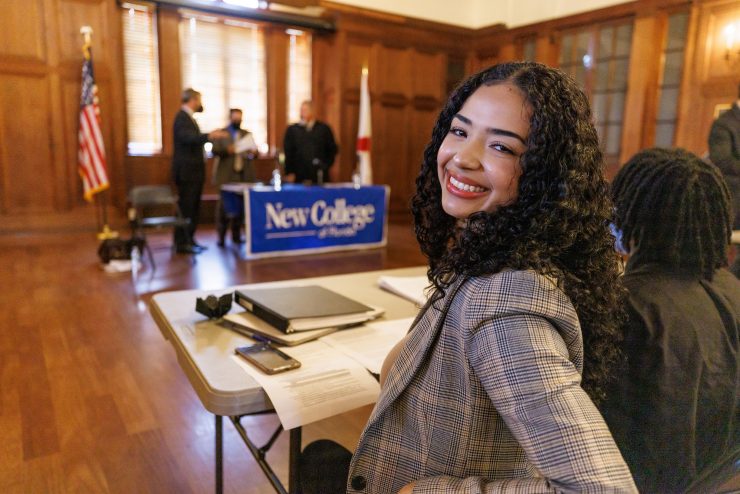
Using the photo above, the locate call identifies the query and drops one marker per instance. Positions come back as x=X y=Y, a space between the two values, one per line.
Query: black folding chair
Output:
x=153 y=207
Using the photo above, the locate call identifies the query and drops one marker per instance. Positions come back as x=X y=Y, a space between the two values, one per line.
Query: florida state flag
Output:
x=364 y=133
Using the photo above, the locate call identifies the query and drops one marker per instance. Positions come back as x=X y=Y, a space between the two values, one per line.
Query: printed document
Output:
x=369 y=344
x=327 y=383
x=245 y=143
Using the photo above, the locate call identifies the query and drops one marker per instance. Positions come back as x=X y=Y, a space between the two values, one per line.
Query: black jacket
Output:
x=303 y=146
x=188 y=162
x=724 y=151
x=674 y=410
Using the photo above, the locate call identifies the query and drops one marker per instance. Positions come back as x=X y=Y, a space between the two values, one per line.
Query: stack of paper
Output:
x=326 y=384
x=333 y=377
x=371 y=343
x=413 y=288
x=252 y=326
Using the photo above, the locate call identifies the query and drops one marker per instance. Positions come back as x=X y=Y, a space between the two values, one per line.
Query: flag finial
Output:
x=86 y=32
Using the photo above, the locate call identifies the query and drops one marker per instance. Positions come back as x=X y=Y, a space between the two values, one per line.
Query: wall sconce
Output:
x=731 y=33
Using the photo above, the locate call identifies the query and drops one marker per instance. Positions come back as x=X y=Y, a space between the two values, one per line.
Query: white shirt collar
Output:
x=309 y=125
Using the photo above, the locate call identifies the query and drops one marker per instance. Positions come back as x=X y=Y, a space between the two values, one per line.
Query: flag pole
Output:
x=101 y=203
x=364 y=133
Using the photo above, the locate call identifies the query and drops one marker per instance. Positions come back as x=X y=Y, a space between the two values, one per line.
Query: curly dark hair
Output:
x=557 y=226
x=675 y=210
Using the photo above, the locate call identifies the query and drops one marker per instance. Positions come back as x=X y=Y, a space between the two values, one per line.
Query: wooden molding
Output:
x=426 y=103
x=299 y=4
x=23 y=65
x=396 y=100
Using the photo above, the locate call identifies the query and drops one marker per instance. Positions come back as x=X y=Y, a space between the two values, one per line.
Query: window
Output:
x=141 y=67
x=528 y=48
x=574 y=55
x=299 y=72
x=224 y=59
x=611 y=66
x=673 y=55
x=597 y=57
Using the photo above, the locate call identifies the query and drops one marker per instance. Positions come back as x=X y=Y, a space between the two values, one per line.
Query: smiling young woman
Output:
x=492 y=389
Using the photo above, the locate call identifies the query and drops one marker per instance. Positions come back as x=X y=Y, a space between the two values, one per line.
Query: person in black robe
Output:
x=310 y=149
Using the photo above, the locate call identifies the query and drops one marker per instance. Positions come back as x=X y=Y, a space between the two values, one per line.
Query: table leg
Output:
x=294 y=480
x=219 y=454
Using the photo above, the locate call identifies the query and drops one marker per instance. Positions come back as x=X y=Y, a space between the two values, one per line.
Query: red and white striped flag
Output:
x=364 y=133
x=91 y=153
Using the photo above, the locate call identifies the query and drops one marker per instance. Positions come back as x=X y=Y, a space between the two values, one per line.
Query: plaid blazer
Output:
x=485 y=396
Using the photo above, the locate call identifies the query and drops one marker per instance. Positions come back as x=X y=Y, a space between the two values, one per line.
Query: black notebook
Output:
x=304 y=308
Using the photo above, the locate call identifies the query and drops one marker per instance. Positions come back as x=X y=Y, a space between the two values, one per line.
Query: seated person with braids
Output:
x=493 y=387
x=674 y=410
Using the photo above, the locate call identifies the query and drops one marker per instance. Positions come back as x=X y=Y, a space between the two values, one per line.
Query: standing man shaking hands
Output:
x=189 y=168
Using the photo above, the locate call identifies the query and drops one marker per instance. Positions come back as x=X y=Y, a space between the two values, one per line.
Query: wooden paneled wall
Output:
x=407 y=63
x=40 y=66
x=708 y=80
x=412 y=66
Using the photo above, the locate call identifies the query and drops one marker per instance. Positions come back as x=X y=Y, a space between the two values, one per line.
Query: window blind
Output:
x=141 y=67
x=224 y=59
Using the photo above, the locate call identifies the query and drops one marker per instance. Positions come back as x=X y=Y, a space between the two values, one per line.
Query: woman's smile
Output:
x=463 y=188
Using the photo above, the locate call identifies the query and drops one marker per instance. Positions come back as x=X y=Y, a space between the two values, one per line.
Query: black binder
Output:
x=304 y=308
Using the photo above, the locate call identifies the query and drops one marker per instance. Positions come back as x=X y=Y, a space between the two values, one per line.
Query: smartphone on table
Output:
x=267 y=358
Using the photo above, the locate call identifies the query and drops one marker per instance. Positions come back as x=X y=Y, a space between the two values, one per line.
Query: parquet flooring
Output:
x=92 y=398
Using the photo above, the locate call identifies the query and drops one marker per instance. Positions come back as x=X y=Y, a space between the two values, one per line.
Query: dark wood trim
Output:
x=276 y=67
x=170 y=79
x=426 y=103
x=370 y=16
x=22 y=65
x=373 y=26
x=396 y=100
x=270 y=16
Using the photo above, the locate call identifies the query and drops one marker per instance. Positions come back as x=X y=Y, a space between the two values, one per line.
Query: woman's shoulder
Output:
x=518 y=291
x=515 y=281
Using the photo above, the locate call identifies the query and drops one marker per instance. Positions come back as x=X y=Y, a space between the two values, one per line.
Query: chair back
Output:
x=151 y=195
x=154 y=206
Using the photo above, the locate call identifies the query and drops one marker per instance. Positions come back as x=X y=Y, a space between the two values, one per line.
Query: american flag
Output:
x=91 y=153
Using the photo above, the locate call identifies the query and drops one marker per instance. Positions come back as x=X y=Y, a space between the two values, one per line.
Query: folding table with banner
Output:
x=300 y=219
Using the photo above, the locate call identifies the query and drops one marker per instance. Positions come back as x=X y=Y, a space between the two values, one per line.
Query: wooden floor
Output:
x=92 y=398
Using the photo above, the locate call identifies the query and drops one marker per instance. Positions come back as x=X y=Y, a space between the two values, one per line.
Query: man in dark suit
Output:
x=189 y=168
x=724 y=151
x=309 y=148
x=232 y=163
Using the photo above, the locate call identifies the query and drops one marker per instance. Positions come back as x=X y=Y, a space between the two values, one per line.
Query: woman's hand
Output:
x=406 y=489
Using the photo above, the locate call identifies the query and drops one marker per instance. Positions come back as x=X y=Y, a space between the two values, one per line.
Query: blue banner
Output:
x=302 y=219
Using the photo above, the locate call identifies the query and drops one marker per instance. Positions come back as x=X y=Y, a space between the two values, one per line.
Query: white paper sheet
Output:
x=245 y=144
x=327 y=383
x=369 y=344
x=409 y=287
